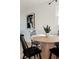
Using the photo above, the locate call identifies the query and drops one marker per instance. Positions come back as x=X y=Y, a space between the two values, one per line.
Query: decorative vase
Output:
x=47 y=34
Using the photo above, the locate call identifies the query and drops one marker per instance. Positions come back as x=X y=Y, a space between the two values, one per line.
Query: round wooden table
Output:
x=46 y=43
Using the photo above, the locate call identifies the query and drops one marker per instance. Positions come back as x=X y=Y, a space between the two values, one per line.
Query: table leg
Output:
x=45 y=50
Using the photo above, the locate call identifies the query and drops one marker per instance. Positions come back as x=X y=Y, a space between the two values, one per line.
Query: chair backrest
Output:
x=24 y=44
x=35 y=42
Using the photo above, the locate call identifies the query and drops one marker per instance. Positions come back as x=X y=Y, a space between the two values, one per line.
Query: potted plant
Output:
x=47 y=29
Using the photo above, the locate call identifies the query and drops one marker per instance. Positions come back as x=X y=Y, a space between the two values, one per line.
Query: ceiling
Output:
x=30 y=3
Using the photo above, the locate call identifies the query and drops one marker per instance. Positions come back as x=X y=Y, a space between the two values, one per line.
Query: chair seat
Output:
x=55 y=51
x=31 y=51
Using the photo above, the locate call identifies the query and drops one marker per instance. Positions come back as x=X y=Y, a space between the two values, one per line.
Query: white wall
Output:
x=44 y=15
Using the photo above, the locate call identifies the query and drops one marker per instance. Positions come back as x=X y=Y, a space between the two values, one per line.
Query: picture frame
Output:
x=31 y=20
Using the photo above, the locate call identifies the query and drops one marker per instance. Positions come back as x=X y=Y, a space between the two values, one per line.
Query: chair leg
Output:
x=29 y=57
x=34 y=57
x=50 y=55
x=57 y=57
x=23 y=57
x=39 y=55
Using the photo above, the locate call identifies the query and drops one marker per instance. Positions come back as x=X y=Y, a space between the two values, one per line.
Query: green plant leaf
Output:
x=47 y=29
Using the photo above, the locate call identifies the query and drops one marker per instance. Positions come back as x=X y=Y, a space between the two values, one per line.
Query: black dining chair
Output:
x=54 y=50
x=29 y=51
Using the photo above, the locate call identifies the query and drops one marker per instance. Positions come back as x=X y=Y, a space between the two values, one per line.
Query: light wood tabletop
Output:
x=46 y=43
x=45 y=39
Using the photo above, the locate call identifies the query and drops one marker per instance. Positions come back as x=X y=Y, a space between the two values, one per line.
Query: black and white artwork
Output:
x=31 y=21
